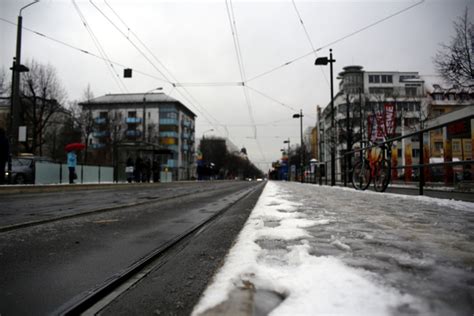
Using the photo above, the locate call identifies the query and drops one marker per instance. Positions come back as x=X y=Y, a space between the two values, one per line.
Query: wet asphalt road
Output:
x=45 y=266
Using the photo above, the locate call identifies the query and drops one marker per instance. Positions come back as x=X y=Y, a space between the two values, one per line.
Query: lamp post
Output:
x=209 y=130
x=300 y=116
x=287 y=142
x=324 y=61
x=144 y=111
x=288 y=163
x=17 y=69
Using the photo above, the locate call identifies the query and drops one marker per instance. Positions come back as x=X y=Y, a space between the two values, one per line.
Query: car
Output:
x=23 y=169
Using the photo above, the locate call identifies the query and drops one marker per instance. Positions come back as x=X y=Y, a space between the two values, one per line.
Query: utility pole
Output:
x=330 y=61
x=17 y=69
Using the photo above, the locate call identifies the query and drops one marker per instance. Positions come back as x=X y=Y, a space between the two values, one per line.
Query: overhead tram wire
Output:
x=81 y=50
x=101 y=58
x=238 y=51
x=101 y=50
x=134 y=45
x=309 y=39
x=190 y=96
x=242 y=70
x=336 y=41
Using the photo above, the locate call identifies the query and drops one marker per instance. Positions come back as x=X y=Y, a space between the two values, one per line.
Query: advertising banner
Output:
x=408 y=161
x=448 y=156
x=394 y=162
x=382 y=124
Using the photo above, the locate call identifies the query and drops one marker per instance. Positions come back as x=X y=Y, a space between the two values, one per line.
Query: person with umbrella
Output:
x=72 y=159
x=71 y=164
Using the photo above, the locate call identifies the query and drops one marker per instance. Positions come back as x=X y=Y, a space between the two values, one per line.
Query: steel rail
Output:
x=88 y=299
x=12 y=227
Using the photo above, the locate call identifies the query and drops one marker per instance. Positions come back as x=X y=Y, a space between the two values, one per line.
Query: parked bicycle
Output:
x=373 y=166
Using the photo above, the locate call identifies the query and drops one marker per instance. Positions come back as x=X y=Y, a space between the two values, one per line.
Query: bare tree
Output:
x=42 y=99
x=84 y=119
x=454 y=61
x=3 y=82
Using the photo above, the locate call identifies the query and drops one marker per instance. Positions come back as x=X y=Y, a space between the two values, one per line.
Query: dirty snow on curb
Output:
x=273 y=252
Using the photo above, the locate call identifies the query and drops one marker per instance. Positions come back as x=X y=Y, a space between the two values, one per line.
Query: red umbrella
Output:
x=74 y=146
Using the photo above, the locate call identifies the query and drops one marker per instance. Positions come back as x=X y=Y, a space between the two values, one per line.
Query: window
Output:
x=438 y=97
x=410 y=92
x=403 y=78
x=438 y=146
x=385 y=91
x=456 y=146
x=103 y=114
x=387 y=78
x=374 y=78
x=132 y=114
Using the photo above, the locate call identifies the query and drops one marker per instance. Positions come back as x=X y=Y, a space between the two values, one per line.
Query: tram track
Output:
x=101 y=209
x=92 y=301
x=66 y=265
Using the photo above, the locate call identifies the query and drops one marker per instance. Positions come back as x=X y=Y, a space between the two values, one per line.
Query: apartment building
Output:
x=143 y=121
x=442 y=101
x=364 y=100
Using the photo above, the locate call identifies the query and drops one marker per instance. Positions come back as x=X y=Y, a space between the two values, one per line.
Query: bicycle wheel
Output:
x=361 y=175
x=382 y=175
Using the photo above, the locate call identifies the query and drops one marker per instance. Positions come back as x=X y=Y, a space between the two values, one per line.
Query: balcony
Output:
x=172 y=163
x=133 y=133
x=187 y=123
x=98 y=146
x=100 y=120
x=172 y=147
x=168 y=121
x=169 y=134
x=133 y=120
x=185 y=147
x=100 y=134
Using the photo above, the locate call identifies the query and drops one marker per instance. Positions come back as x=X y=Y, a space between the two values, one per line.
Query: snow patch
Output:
x=311 y=285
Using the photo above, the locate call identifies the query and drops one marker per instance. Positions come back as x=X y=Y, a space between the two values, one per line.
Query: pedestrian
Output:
x=156 y=171
x=147 y=170
x=71 y=164
x=138 y=169
x=129 y=169
x=4 y=154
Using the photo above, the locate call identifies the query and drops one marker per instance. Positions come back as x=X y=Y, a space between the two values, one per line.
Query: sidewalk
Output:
x=309 y=250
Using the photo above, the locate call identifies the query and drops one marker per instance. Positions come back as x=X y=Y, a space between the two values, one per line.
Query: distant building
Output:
x=441 y=102
x=363 y=98
x=144 y=124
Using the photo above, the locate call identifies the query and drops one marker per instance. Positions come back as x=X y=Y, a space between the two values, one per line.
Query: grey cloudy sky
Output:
x=194 y=41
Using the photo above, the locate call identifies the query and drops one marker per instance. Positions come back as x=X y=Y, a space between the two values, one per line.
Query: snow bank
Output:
x=277 y=258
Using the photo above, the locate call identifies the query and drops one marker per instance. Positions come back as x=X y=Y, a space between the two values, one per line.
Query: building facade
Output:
x=144 y=121
x=371 y=106
x=442 y=101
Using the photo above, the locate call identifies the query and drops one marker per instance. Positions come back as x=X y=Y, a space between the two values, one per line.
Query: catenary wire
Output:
x=238 y=51
x=337 y=40
x=190 y=96
x=309 y=39
x=99 y=47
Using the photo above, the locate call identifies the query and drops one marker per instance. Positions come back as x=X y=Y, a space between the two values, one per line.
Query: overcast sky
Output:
x=193 y=40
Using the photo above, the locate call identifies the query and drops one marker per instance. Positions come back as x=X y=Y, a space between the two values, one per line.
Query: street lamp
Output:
x=287 y=142
x=324 y=61
x=209 y=130
x=300 y=116
x=17 y=69
x=144 y=110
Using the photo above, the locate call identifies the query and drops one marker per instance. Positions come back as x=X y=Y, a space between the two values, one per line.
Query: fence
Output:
x=53 y=173
x=446 y=171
